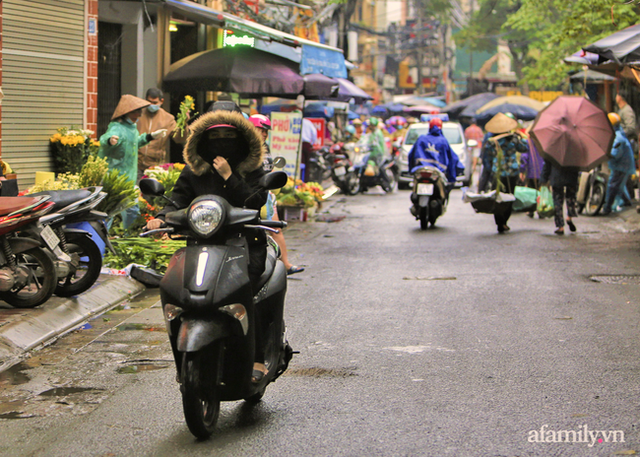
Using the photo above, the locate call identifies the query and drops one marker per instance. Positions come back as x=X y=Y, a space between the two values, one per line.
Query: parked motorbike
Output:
x=77 y=257
x=318 y=170
x=430 y=194
x=26 y=270
x=342 y=171
x=209 y=308
x=592 y=190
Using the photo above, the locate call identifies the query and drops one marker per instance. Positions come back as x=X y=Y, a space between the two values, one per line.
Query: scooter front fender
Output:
x=196 y=333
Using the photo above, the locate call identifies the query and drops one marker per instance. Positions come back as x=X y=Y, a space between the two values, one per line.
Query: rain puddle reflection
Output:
x=14 y=376
x=148 y=327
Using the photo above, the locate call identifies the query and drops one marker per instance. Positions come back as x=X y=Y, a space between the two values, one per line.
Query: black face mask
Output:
x=229 y=148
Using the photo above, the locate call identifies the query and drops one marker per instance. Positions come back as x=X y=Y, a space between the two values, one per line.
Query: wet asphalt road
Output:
x=452 y=341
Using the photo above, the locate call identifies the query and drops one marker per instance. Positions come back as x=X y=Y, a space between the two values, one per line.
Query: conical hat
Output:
x=127 y=104
x=501 y=123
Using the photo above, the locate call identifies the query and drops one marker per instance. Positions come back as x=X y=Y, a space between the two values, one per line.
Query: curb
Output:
x=40 y=329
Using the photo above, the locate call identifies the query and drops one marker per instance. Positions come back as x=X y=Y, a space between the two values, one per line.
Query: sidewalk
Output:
x=22 y=330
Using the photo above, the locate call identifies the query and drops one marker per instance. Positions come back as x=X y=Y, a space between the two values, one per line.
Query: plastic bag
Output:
x=544 y=207
x=526 y=199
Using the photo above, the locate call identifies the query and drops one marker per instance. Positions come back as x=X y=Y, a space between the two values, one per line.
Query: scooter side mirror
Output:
x=279 y=162
x=152 y=187
x=274 y=180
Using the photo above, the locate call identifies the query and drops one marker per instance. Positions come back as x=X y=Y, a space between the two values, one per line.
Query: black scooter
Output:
x=209 y=309
x=430 y=194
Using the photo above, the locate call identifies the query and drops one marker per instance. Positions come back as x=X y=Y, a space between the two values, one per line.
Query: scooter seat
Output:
x=63 y=198
x=10 y=204
x=270 y=265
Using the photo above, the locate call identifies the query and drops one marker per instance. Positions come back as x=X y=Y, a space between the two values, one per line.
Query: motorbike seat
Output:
x=63 y=198
x=10 y=204
x=269 y=267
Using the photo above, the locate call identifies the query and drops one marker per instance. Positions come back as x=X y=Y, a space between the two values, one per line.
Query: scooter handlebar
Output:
x=160 y=230
x=275 y=224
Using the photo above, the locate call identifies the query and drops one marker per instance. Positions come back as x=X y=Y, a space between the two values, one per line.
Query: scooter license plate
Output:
x=50 y=237
x=340 y=171
x=425 y=189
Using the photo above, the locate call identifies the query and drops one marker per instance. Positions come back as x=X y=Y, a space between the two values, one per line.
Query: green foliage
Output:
x=149 y=252
x=121 y=191
x=559 y=29
x=541 y=33
x=93 y=171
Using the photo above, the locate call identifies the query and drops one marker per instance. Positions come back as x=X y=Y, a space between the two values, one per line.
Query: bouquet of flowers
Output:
x=183 y=116
x=71 y=148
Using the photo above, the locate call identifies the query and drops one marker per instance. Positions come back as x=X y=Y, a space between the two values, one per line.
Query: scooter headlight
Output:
x=205 y=217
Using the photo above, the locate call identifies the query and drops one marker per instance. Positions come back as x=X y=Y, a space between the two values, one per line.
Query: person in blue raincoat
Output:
x=119 y=144
x=621 y=165
x=434 y=149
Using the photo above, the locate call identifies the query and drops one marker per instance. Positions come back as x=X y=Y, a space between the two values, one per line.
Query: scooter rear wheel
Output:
x=424 y=218
x=86 y=273
x=200 y=399
x=41 y=280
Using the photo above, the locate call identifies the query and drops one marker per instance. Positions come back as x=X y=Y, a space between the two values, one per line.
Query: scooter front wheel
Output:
x=89 y=263
x=200 y=396
x=351 y=183
x=595 y=200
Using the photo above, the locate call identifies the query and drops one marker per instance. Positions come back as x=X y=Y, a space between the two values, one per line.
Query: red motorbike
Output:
x=27 y=273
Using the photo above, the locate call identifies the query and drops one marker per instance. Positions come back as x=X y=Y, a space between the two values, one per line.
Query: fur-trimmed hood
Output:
x=246 y=129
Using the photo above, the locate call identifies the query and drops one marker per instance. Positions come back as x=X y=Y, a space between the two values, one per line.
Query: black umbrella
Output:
x=468 y=104
x=317 y=86
x=620 y=47
x=242 y=70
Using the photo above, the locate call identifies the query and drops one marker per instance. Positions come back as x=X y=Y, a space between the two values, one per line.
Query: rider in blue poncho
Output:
x=434 y=149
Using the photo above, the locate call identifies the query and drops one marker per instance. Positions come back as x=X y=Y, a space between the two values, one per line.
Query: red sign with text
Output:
x=321 y=127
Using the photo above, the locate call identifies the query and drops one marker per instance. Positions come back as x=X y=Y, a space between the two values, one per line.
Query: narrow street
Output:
x=452 y=341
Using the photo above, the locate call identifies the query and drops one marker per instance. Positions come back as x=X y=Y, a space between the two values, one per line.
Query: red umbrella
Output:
x=573 y=132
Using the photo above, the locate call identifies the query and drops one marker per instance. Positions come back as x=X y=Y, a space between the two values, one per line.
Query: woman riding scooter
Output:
x=224 y=155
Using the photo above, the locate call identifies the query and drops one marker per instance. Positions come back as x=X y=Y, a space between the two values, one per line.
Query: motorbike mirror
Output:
x=274 y=180
x=472 y=143
x=152 y=187
x=279 y=162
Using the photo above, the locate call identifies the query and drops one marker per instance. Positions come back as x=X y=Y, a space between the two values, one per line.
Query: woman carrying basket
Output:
x=503 y=148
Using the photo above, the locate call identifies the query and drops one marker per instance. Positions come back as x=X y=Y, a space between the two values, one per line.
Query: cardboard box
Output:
x=295 y=213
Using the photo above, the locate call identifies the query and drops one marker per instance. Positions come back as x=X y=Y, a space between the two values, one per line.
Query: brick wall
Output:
x=92 y=68
x=0 y=77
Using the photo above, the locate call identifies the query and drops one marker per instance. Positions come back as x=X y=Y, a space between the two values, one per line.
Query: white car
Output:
x=454 y=134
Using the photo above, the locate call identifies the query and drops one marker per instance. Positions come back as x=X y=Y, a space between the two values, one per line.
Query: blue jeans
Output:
x=617 y=181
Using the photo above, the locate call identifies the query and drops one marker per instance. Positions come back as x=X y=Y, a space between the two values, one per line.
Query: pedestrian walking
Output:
x=474 y=132
x=564 y=186
x=621 y=166
x=503 y=149
x=531 y=165
x=119 y=145
x=153 y=118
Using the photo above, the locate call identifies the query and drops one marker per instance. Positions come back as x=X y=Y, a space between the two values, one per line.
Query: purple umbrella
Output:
x=573 y=132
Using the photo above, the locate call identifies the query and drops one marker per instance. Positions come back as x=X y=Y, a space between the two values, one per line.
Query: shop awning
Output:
x=314 y=58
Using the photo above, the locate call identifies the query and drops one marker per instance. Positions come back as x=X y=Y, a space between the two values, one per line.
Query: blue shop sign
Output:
x=324 y=61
